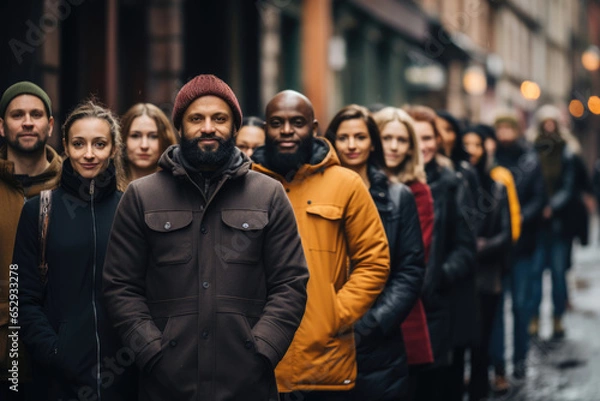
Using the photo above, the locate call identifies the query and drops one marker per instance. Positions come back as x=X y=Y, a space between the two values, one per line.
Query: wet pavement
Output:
x=566 y=370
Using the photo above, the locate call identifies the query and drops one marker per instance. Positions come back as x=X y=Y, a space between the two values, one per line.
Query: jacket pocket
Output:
x=242 y=235
x=325 y=223
x=171 y=236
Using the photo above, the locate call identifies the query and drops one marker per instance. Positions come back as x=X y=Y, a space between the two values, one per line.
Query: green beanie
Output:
x=24 y=88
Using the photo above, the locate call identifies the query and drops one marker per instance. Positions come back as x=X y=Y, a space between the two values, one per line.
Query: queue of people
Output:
x=218 y=257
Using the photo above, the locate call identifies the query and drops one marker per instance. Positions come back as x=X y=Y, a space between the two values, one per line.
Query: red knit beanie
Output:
x=204 y=85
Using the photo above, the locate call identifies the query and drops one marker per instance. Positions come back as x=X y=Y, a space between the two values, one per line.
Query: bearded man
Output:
x=205 y=276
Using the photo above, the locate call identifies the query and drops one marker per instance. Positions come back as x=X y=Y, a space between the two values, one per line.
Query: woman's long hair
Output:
x=164 y=129
x=353 y=112
x=412 y=167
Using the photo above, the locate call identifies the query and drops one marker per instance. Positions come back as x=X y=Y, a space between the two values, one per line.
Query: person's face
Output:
x=446 y=131
x=26 y=125
x=549 y=125
x=428 y=141
x=396 y=143
x=506 y=133
x=474 y=147
x=143 y=145
x=353 y=143
x=490 y=147
x=249 y=138
x=209 y=120
x=89 y=146
x=290 y=123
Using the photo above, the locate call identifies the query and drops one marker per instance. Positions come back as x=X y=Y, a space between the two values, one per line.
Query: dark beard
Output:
x=209 y=159
x=286 y=164
x=37 y=148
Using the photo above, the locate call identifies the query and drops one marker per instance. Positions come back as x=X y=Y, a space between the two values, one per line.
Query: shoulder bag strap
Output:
x=44 y=220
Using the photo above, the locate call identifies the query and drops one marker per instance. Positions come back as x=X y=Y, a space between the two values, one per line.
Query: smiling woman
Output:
x=64 y=324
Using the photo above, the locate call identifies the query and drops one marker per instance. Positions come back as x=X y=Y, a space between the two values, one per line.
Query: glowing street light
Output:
x=576 y=108
x=594 y=104
x=475 y=81
x=530 y=90
x=591 y=58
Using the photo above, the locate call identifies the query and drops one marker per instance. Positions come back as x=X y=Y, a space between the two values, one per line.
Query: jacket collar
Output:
x=237 y=166
x=104 y=184
x=379 y=188
x=48 y=177
x=323 y=156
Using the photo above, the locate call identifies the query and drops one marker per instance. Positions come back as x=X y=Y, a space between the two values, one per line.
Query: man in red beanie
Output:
x=205 y=276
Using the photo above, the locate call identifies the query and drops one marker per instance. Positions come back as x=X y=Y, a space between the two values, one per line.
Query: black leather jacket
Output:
x=381 y=356
x=449 y=289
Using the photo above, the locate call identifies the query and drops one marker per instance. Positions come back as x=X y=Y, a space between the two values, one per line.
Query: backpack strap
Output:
x=44 y=220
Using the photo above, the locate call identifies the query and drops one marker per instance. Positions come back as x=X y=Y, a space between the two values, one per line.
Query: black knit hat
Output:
x=24 y=88
x=204 y=85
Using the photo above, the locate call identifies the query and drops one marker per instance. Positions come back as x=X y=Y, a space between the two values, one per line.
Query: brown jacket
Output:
x=207 y=293
x=12 y=198
x=348 y=259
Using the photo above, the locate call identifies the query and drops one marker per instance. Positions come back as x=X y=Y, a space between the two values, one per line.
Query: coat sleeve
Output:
x=532 y=209
x=460 y=262
x=563 y=196
x=407 y=271
x=369 y=256
x=499 y=244
x=124 y=278
x=36 y=331
x=286 y=272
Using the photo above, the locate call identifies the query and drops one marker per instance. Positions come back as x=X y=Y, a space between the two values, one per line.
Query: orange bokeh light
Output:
x=530 y=90
x=594 y=104
x=576 y=108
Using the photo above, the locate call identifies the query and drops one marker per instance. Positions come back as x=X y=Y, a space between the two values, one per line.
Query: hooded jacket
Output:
x=206 y=287
x=64 y=323
x=348 y=259
x=12 y=197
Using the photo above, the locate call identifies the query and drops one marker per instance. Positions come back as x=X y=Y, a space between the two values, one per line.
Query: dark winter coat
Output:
x=522 y=161
x=64 y=324
x=579 y=224
x=207 y=288
x=494 y=238
x=449 y=277
x=380 y=351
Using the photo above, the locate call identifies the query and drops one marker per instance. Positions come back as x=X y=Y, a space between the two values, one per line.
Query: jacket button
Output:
x=203 y=230
x=172 y=343
x=167 y=225
x=248 y=344
x=205 y=334
x=287 y=190
x=309 y=202
x=206 y=284
x=245 y=225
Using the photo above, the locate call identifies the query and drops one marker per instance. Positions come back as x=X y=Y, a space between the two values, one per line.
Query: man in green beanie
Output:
x=27 y=166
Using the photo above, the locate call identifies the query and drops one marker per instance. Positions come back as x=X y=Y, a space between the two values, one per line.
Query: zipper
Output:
x=94 y=233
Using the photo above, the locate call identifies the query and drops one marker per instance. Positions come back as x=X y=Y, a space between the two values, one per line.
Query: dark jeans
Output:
x=554 y=253
x=433 y=384
x=479 y=385
x=315 y=396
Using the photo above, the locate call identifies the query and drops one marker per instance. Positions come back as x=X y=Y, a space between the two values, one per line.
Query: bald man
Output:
x=345 y=246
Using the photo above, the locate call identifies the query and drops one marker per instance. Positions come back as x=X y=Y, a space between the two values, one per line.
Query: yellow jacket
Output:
x=348 y=259
x=504 y=176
